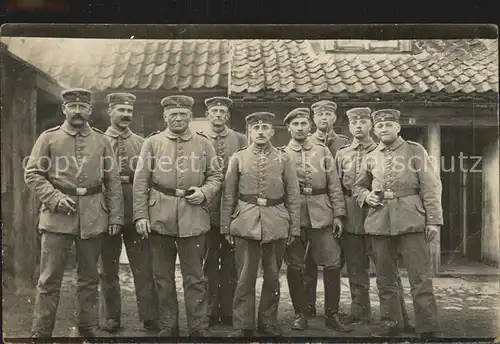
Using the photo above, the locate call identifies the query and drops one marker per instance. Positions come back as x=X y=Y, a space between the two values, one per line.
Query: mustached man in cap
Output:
x=72 y=171
x=324 y=116
x=176 y=178
x=260 y=211
x=127 y=146
x=322 y=210
x=402 y=189
x=357 y=244
x=220 y=269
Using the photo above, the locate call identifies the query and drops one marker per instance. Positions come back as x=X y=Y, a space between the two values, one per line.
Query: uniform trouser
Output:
x=416 y=255
x=55 y=248
x=247 y=254
x=358 y=251
x=139 y=257
x=324 y=250
x=311 y=277
x=221 y=278
x=164 y=249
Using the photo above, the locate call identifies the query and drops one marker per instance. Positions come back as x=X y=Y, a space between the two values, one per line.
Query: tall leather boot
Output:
x=297 y=293
x=331 y=280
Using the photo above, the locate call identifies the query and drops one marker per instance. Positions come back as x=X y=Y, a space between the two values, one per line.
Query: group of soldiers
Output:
x=226 y=204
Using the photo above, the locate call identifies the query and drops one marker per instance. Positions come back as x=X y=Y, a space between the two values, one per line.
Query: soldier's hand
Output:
x=290 y=240
x=430 y=232
x=338 y=227
x=114 y=229
x=66 y=205
x=372 y=199
x=229 y=239
x=197 y=197
x=143 y=227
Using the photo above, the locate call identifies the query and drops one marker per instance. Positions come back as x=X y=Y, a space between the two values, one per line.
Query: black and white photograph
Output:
x=265 y=188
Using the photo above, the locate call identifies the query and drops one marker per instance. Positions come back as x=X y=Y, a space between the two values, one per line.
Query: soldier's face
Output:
x=177 y=121
x=261 y=133
x=77 y=113
x=360 y=128
x=121 y=115
x=387 y=131
x=324 y=120
x=218 y=115
x=299 y=128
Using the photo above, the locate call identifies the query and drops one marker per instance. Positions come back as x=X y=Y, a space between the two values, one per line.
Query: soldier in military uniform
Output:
x=357 y=245
x=400 y=185
x=220 y=269
x=322 y=210
x=324 y=115
x=260 y=210
x=127 y=146
x=176 y=178
x=73 y=173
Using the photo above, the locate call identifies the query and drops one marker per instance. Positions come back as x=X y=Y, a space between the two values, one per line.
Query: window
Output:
x=366 y=46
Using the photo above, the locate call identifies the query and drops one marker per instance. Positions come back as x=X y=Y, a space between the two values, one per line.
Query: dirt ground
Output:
x=468 y=308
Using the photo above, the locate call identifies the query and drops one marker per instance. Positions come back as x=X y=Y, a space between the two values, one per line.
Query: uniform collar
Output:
x=214 y=134
x=330 y=135
x=364 y=144
x=85 y=130
x=257 y=150
x=297 y=146
x=396 y=144
x=115 y=133
x=185 y=136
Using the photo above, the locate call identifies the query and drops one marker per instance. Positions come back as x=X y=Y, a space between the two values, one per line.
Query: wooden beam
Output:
x=434 y=150
x=48 y=86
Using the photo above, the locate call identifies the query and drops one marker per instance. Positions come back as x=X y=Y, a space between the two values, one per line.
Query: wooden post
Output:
x=434 y=150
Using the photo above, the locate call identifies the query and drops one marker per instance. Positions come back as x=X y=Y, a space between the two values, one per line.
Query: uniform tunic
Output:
x=68 y=158
x=176 y=162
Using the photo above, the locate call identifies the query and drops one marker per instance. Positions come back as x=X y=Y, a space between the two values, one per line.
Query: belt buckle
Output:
x=261 y=201
x=81 y=191
x=125 y=179
x=307 y=191
x=180 y=193
x=388 y=194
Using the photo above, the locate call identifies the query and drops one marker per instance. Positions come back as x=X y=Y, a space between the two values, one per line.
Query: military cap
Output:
x=177 y=103
x=218 y=101
x=358 y=113
x=120 y=98
x=324 y=105
x=259 y=117
x=386 y=115
x=76 y=95
x=297 y=113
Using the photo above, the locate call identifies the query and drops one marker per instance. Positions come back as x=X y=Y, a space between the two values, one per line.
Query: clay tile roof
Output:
x=450 y=66
x=129 y=64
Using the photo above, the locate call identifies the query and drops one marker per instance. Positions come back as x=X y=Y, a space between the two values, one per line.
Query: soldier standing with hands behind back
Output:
x=403 y=190
x=221 y=275
x=127 y=146
x=260 y=213
x=322 y=210
x=72 y=171
x=176 y=178
x=357 y=244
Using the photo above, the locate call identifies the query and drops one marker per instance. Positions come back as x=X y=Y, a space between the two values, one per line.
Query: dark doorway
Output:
x=462 y=178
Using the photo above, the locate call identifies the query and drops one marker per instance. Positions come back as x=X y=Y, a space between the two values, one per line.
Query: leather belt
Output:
x=388 y=194
x=126 y=179
x=266 y=202
x=347 y=192
x=171 y=192
x=312 y=192
x=80 y=191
